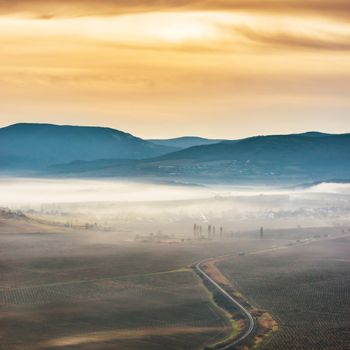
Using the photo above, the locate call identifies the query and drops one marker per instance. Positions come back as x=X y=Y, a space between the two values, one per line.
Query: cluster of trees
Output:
x=209 y=233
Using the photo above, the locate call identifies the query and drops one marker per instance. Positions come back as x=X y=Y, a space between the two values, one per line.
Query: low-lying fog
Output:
x=140 y=207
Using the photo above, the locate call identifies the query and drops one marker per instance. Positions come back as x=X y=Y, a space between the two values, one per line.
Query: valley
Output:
x=87 y=289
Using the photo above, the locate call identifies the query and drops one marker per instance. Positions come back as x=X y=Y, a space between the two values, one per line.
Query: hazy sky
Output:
x=216 y=68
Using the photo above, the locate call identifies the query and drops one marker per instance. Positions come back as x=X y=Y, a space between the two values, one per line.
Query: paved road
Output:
x=248 y=315
x=252 y=322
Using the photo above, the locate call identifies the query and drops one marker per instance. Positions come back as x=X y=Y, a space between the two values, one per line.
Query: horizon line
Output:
x=174 y=137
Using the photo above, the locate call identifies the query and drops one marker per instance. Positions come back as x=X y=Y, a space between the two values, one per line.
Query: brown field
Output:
x=66 y=289
x=305 y=288
x=89 y=290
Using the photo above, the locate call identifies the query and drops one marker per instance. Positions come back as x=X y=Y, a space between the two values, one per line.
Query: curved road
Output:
x=248 y=315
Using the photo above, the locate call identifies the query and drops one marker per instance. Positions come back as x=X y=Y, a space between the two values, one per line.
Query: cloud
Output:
x=248 y=59
x=47 y=9
x=280 y=39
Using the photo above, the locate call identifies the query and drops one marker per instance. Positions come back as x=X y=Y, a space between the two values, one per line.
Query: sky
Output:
x=159 y=69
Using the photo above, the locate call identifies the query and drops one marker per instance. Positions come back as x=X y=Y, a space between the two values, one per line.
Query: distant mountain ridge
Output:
x=36 y=146
x=185 y=141
x=304 y=157
x=93 y=151
x=279 y=147
x=313 y=134
x=191 y=141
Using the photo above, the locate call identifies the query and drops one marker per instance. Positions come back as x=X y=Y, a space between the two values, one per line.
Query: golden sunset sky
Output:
x=214 y=68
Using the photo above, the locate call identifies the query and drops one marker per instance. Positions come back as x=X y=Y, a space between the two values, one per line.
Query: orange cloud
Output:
x=275 y=40
x=47 y=9
x=161 y=62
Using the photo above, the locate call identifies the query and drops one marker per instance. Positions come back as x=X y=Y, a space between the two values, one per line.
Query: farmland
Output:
x=88 y=299
x=306 y=288
x=62 y=288
x=84 y=290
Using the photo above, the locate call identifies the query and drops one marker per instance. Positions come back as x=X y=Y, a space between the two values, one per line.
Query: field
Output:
x=128 y=313
x=70 y=289
x=98 y=298
x=89 y=290
x=306 y=288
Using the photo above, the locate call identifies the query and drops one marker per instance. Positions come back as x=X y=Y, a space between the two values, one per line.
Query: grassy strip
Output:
x=231 y=336
x=226 y=315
